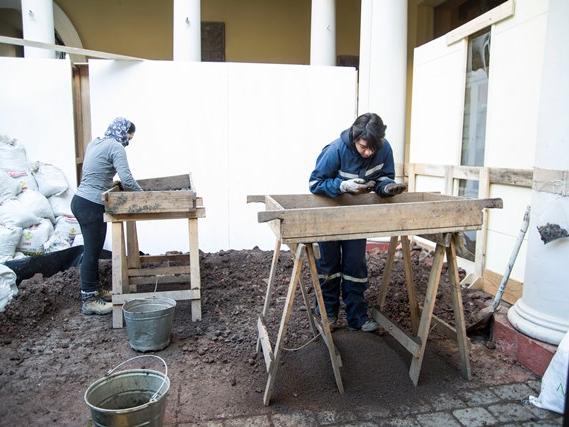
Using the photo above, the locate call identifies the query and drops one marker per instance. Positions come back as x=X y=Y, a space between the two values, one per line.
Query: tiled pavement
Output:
x=503 y=405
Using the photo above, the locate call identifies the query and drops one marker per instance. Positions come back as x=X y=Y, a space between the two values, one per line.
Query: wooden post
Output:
x=270 y=284
x=411 y=177
x=427 y=314
x=195 y=269
x=296 y=270
x=481 y=235
x=410 y=284
x=386 y=279
x=119 y=271
x=324 y=316
x=133 y=254
x=460 y=325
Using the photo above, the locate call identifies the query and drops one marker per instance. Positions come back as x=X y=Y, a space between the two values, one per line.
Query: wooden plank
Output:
x=320 y=329
x=149 y=202
x=271 y=282
x=426 y=315
x=195 y=267
x=177 y=258
x=429 y=170
x=265 y=343
x=324 y=318
x=195 y=213
x=411 y=178
x=386 y=278
x=166 y=183
x=347 y=236
x=516 y=177
x=410 y=284
x=66 y=49
x=396 y=332
x=183 y=294
x=255 y=198
x=470 y=173
x=449 y=180
x=491 y=282
x=481 y=235
x=133 y=255
x=151 y=280
x=460 y=324
x=493 y=16
x=119 y=277
x=291 y=293
x=399 y=216
x=159 y=271
x=551 y=181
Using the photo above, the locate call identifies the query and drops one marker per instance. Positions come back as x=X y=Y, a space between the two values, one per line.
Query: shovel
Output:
x=483 y=320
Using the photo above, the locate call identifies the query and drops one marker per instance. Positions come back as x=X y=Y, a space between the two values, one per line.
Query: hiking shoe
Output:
x=105 y=295
x=96 y=305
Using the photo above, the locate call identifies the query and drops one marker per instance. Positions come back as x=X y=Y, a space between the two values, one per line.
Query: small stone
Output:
x=491 y=345
x=258 y=390
x=202 y=351
x=295 y=394
x=233 y=382
x=185 y=348
x=251 y=362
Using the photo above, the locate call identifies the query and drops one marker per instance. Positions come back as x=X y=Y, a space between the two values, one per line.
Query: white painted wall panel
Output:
x=239 y=128
x=516 y=63
x=438 y=102
x=429 y=183
x=36 y=107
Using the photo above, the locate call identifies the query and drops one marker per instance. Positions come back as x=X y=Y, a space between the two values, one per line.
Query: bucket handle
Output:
x=153 y=398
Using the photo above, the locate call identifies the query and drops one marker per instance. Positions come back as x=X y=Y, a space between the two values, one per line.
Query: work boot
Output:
x=105 y=295
x=91 y=303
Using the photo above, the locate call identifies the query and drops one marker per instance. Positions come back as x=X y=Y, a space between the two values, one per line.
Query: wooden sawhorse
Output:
x=131 y=269
x=320 y=324
x=421 y=319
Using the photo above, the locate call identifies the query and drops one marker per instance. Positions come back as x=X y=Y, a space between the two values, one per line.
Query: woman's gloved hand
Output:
x=393 y=188
x=356 y=186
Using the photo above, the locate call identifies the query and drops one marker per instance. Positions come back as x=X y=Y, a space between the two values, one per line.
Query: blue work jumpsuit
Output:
x=342 y=264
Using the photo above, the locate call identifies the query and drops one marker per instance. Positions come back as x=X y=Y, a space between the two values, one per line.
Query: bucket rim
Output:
x=171 y=302
x=134 y=408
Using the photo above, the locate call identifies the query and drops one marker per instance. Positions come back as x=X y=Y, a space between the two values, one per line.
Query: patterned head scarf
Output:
x=118 y=130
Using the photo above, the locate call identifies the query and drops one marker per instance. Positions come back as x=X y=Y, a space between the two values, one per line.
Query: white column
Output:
x=37 y=24
x=187 y=30
x=383 y=67
x=323 y=32
x=543 y=310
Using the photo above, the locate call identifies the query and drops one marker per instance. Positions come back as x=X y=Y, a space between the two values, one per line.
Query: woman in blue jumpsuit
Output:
x=360 y=161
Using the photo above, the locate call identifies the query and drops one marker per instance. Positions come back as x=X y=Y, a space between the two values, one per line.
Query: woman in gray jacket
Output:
x=104 y=158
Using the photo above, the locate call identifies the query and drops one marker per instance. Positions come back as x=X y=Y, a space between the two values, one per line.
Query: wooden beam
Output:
x=166 y=183
x=66 y=49
x=493 y=16
x=516 y=177
x=184 y=294
x=151 y=280
x=265 y=343
x=551 y=181
x=159 y=271
x=396 y=332
x=491 y=282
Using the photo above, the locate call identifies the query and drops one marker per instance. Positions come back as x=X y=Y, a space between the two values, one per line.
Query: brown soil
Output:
x=51 y=353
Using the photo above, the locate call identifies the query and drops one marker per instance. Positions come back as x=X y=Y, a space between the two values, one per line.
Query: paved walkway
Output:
x=504 y=405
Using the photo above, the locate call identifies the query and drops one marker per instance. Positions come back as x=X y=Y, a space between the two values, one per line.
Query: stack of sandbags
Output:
x=8 y=286
x=34 y=203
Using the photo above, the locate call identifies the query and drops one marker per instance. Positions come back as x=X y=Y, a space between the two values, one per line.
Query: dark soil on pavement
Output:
x=51 y=353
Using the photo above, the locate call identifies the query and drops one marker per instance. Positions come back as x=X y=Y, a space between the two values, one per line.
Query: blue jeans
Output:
x=94 y=230
x=343 y=262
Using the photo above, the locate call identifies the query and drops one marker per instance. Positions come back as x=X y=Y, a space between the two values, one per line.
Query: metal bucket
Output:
x=133 y=398
x=149 y=322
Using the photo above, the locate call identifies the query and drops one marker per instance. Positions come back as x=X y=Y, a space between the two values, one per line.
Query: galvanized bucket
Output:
x=133 y=397
x=149 y=322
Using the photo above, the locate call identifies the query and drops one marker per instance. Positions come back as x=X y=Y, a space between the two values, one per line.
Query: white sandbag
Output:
x=19 y=255
x=78 y=241
x=57 y=242
x=24 y=179
x=12 y=154
x=13 y=213
x=61 y=204
x=34 y=237
x=8 y=286
x=8 y=187
x=36 y=203
x=68 y=226
x=9 y=239
x=554 y=381
x=51 y=180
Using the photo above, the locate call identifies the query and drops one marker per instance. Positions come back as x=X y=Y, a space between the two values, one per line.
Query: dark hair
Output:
x=132 y=128
x=369 y=127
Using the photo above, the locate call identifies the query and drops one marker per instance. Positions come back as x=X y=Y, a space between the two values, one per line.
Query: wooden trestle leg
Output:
x=270 y=284
x=195 y=283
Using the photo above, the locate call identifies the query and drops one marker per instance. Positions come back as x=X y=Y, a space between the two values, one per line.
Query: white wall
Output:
x=239 y=128
x=36 y=108
x=516 y=62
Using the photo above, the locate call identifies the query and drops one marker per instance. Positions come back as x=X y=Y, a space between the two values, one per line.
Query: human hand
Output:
x=393 y=188
x=354 y=186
